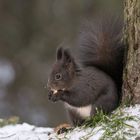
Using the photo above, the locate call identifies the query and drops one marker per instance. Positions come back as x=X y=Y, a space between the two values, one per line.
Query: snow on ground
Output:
x=29 y=132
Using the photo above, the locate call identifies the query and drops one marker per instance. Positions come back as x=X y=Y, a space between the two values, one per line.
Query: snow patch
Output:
x=29 y=132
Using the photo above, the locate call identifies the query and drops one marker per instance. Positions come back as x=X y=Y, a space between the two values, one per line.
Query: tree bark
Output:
x=131 y=77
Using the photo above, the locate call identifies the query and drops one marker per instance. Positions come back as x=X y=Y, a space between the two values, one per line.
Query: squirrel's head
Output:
x=63 y=71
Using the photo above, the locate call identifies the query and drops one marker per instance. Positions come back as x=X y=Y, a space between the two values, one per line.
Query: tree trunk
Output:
x=131 y=77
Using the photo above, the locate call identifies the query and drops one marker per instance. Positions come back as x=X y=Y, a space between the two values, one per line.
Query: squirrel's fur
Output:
x=100 y=45
x=96 y=82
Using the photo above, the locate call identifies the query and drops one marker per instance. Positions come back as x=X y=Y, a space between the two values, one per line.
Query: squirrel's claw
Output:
x=50 y=93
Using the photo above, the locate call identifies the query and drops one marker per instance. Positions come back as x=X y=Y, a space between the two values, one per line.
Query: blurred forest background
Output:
x=30 y=31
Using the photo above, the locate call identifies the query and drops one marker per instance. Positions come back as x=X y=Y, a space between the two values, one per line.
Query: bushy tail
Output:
x=101 y=46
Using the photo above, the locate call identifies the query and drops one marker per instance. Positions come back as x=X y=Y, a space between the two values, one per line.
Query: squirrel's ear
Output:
x=67 y=56
x=59 y=53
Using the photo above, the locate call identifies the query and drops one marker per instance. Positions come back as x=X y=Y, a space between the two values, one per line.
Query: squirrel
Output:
x=94 y=82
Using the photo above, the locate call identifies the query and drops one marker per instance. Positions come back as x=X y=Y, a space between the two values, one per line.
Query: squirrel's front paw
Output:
x=55 y=97
x=50 y=94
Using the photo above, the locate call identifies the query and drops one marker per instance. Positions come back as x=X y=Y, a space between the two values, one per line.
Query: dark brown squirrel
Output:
x=95 y=82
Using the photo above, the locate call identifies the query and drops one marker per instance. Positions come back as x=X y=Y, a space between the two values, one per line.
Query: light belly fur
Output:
x=82 y=111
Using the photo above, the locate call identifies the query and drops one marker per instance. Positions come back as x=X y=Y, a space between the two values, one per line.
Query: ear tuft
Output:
x=59 y=53
x=67 y=56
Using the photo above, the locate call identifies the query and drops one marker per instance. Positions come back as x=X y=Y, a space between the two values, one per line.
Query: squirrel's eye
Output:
x=58 y=76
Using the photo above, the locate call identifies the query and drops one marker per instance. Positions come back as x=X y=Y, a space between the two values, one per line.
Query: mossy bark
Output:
x=131 y=77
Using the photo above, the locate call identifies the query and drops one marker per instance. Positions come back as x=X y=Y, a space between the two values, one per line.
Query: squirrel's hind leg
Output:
x=75 y=118
x=107 y=103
